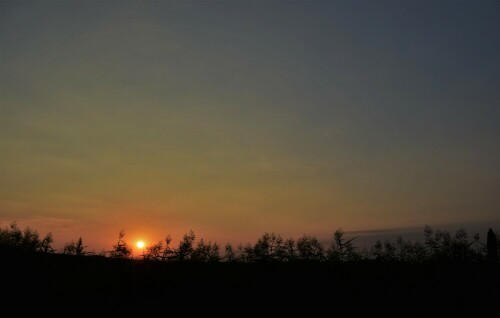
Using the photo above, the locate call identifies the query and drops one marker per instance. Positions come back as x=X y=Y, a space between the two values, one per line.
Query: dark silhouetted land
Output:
x=458 y=284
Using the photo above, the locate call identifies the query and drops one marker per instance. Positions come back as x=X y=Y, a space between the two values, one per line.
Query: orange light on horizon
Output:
x=140 y=244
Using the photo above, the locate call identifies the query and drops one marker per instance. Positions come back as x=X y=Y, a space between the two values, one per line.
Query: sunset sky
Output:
x=233 y=118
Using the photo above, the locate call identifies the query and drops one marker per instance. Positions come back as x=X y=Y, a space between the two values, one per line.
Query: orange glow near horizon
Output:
x=140 y=244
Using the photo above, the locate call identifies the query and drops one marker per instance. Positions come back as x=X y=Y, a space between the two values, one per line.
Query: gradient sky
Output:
x=233 y=118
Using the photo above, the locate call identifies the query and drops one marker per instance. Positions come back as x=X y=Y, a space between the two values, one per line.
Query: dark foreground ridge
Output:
x=446 y=275
x=58 y=282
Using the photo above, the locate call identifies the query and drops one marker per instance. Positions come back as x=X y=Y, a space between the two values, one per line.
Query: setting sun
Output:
x=140 y=244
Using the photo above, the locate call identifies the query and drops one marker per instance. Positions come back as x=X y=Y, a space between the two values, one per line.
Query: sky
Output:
x=235 y=118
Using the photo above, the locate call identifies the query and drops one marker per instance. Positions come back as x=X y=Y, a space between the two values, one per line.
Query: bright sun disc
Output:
x=140 y=244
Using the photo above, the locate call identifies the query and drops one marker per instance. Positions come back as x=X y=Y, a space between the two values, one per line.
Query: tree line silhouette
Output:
x=455 y=273
x=438 y=245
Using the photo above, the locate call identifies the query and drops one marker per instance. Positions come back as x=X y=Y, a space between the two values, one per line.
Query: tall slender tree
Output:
x=492 y=246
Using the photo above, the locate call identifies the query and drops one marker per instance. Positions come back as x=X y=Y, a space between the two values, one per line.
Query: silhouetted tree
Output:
x=205 y=252
x=75 y=248
x=278 y=247
x=27 y=240
x=438 y=243
x=460 y=246
x=16 y=236
x=246 y=253
x=168 y=252
x=269 y=247
x=342 y=249
x=154 y=252
x=389 y=251
x=229 y=253
x=121 y=248
x=492 y=246
x=442 y=246
x=30 y=240
x=213 y=252
x=186 y=249
x=419 y=252
x=46 y=244
x=498 y=241
x=404 y=250
x=290 y=253
x=261 y=249
x=479 y=248
x=310 y=249
x=377 y=250
x=384 y=251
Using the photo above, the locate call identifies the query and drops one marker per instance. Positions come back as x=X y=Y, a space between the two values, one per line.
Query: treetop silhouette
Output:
x=438 y=245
